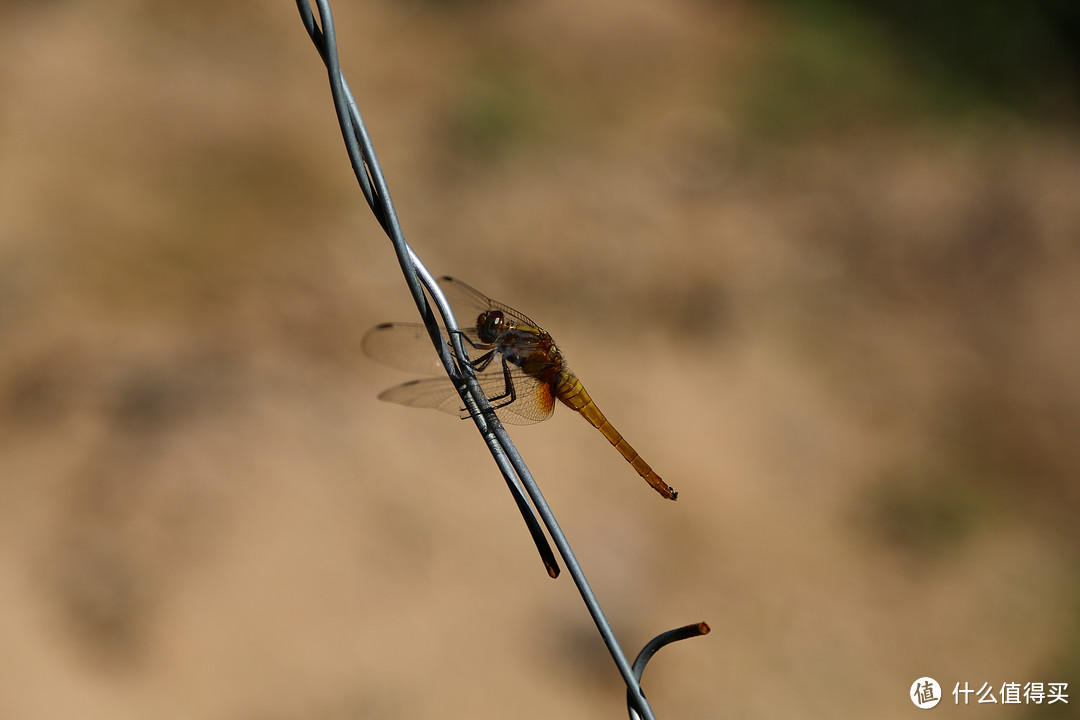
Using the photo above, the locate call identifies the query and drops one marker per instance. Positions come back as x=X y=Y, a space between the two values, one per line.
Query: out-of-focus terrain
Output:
x=820 y=267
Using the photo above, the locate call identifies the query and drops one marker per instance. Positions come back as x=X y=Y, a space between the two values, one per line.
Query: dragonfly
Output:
x=519 y=368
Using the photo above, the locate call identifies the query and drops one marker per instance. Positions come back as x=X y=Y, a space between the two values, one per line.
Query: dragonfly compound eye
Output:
x=490 y=325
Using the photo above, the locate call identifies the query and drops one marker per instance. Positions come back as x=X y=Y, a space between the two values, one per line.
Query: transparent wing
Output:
x=434 y=393
x=533 y=401
x=407 y=346
x=404 y=346
x=468 y=303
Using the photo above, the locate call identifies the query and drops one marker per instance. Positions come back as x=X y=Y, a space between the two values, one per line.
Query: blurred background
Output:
x=820 y=264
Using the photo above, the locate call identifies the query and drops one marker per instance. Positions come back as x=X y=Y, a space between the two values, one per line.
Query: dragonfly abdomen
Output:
x=574 y=395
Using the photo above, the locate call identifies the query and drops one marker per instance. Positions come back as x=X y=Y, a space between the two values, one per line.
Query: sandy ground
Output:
x=854 y=356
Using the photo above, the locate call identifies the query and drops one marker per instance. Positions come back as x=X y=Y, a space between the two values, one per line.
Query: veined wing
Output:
x=407 y=346
x=404 y=346
x=533 y=401
x=468 y=303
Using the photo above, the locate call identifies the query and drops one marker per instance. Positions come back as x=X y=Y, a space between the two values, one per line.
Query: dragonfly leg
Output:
x=481 y=363
x=467 y=339
x=484 y=360
x=508 y=395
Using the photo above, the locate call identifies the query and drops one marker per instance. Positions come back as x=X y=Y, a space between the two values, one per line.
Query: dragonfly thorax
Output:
x=528 y=347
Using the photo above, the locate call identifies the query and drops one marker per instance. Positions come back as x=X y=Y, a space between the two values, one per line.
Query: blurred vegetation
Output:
x=926 y=510
x=499 y=107
x=835 y=63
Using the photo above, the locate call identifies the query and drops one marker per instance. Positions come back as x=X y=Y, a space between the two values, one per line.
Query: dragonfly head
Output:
x=490 y=325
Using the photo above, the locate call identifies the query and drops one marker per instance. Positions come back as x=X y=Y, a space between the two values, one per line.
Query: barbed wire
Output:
x=454 y=358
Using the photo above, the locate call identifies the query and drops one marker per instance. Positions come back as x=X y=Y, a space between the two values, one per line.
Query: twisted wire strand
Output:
x=455 y=359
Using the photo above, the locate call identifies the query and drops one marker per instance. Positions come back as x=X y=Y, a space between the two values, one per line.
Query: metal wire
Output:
x=372 y=182
x=665 y=638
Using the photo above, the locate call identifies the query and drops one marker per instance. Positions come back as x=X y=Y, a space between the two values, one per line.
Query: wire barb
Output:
x=665 y=638
x=453 y=353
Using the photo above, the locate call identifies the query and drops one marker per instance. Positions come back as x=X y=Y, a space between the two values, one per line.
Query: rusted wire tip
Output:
x=664 y=638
